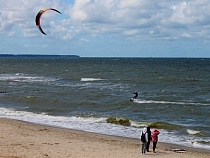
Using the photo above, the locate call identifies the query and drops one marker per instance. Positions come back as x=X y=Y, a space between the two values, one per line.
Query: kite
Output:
x=38 y=17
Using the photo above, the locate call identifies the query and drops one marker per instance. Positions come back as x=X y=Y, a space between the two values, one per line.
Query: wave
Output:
x=20 y=77
x=140 y=101
x=28 y=116
x=164 y=125
x=91 y=79
x=194 y=132
x=179 y=79
x=8 y=112
x=158 y=125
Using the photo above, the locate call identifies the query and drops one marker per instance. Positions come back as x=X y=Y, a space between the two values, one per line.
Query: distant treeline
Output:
x=38 y=55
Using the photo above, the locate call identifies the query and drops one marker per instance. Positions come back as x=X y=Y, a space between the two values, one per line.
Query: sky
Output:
x=107 y=28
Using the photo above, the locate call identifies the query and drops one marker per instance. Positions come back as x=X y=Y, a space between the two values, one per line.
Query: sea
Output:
x=84 y=93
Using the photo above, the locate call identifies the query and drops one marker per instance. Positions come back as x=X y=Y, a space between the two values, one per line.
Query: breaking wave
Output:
x=91 y=79
x=193 y=132
x=20 y=77
x=140 y=101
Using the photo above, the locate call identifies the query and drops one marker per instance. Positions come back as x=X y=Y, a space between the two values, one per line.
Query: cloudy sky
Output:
x=107 y=28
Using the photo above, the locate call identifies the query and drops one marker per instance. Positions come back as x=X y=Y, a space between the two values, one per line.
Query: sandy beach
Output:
x=25 y=140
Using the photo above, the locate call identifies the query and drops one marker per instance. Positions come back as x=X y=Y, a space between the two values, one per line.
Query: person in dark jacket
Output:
x=136 y=95
x=144 y=140
x=149 y=138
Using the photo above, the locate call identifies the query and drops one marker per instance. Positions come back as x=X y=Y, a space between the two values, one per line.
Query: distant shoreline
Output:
x=77 y=56
x=37 y=55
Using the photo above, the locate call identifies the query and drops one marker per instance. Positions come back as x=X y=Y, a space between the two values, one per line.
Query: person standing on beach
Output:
x=149 y=138
x=155 y=134
x=144 y=140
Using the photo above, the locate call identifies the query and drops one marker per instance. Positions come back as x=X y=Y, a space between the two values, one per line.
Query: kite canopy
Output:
x=38 y=17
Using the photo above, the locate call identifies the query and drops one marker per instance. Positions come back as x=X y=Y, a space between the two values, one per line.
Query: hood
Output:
x=156 y=131
x=144 y=130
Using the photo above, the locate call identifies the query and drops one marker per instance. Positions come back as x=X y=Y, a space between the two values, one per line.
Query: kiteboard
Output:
x=132 y=99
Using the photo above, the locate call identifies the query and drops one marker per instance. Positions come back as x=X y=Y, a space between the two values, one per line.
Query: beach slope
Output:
x=25 y=140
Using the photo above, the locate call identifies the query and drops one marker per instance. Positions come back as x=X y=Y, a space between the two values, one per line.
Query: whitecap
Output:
x=141 y=101
x=91 y=79
x=193 y=132
x=19 y=77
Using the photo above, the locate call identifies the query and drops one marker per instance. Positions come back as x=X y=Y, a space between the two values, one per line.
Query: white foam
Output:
x=91 y=79
x=193 y=132
x=97 y=125
x=19 y=77
x=141 y=101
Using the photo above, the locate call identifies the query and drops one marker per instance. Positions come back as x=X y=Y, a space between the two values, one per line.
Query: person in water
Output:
x=136 y=95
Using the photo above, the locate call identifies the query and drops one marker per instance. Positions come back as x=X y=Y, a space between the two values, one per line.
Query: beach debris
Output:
x=177 y=150
x=119 y=121
x=164 y=125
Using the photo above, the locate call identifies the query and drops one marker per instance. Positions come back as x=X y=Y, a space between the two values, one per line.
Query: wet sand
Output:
x=26 y=140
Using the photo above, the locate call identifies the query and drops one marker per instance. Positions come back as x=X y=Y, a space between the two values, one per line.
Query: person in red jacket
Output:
x=155 y=134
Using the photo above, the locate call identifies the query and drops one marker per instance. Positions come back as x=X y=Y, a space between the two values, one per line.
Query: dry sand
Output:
x=25 y=140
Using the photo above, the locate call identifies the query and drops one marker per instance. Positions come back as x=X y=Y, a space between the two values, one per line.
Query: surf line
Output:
x=165 y=102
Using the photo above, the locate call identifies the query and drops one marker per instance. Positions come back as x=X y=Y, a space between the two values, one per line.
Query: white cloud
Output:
x=20 y=15
x=84 y=40
x=138 y=17
x=142 y=19
x=186 y=35
x=190 y=12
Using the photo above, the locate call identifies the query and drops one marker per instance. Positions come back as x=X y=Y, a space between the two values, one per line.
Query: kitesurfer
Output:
x=136 y=95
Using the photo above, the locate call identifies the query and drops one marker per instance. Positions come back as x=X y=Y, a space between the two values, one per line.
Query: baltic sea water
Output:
x=81 y=93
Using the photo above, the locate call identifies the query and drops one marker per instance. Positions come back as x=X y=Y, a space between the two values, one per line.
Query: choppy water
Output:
x=81 y=93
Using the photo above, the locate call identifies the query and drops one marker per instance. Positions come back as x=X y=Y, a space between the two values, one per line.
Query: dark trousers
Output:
x=144 y=145
x=148 y=143
x=154 y=145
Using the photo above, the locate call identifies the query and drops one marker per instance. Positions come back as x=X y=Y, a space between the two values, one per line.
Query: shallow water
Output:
x=81 y=93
